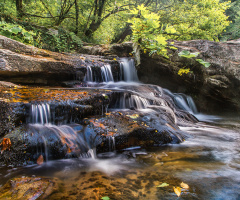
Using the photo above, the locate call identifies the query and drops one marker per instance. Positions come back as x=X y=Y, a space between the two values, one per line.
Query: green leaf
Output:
x=15 y=30
x=163 y=185
x=204 y=63
x=105 y=198
x=187 y=54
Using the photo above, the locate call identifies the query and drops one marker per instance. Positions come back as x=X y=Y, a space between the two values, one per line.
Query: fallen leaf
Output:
x=6 y=144
x=105 y=198
x=184 y=185
x=40 y=160
x=177 y=190
x=163 y=185
x=134 y=116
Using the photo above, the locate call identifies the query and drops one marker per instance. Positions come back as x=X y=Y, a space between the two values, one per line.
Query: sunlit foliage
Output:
x=104 y=21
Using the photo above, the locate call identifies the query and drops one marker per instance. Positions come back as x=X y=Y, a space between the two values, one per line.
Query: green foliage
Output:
x=196 y=19
x=58 y=40
x=232 y=31
x=16 y=32
x=204 y=63
x=108 y=29
x=146 y=31
x=187 y=54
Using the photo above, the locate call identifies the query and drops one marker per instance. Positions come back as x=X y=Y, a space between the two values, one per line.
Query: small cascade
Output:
x=69 y=140
x=112 y=147
x=106 y=73
x=89 y=75
x=129 y=71
x=130 y=101
x=183 y=101
x=40 y=113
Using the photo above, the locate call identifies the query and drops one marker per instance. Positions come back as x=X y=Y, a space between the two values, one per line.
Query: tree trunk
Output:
x=19 y=7
x=121 y=37
x=98 y=10
x=77 y=16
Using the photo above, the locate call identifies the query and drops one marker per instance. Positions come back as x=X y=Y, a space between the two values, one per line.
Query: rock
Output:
x=213 y=87
x=65 y=105
x=28 y=188
x=36 y=143
x=24 y=64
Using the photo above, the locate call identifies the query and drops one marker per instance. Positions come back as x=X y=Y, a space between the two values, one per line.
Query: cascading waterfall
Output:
x=106 y=73
x=89 y=75
x=40 y=113
x=129 y=71
x=76 y=140
x=149 y=99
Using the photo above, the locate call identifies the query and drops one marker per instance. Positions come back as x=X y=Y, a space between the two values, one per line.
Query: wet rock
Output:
x=125 y=129
x=28 y=188
x=66 y=106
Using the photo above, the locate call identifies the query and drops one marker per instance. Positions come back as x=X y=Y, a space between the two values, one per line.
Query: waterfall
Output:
x=183 y=101
x=129 y=70
x=40 y=113
x=89 y=75
x=106 y=73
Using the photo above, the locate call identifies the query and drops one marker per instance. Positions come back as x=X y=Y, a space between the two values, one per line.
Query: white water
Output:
x=129 y=70
x=89 y=76
x=106 y=73
x=40 y=113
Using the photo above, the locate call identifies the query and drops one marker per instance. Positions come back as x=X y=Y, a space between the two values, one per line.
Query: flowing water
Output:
x=206 y=165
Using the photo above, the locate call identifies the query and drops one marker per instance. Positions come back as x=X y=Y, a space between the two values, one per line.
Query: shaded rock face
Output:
x=212 y=88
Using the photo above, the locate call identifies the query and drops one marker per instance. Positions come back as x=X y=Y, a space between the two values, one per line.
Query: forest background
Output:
x=65 y=25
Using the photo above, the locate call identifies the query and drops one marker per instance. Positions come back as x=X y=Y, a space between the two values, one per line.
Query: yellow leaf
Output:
x=184 y=185
x=114 y=59
x=177 y=190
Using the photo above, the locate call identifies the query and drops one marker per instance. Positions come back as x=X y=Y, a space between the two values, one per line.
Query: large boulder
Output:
x=24 y=64
x=212 y=88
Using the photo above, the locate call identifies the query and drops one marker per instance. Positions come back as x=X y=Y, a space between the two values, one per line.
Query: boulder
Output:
x=25 y=64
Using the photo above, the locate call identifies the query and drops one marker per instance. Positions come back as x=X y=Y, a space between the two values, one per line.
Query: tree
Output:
x=196 y=19
x=232 y=31
x=19 y=8
x=98 y=17
x=192 y=19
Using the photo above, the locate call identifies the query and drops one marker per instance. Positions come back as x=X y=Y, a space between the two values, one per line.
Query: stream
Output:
x=202 y=162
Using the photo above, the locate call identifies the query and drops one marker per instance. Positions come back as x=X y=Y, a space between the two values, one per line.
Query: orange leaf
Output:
x=102 y=126
x=177 y=190
x=40 y=160
x=6 y=144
